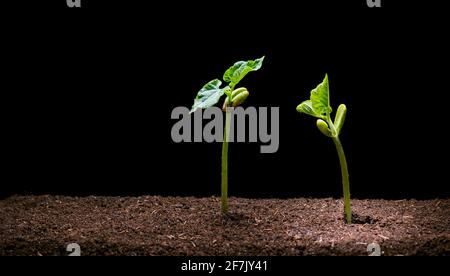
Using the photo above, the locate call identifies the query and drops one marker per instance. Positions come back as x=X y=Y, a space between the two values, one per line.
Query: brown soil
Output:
x=153 y=225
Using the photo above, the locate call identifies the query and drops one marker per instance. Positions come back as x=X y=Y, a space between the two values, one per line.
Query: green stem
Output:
x=345 y=182
x=224 y=196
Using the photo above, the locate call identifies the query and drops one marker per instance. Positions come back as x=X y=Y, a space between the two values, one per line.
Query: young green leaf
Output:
x=340 y=117
x=320 y=98
x=307 y=108
x=237 y=72
x=209 y=95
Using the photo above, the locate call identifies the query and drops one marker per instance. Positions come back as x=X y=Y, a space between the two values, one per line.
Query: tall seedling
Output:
x=319 y=106
x=211 y=93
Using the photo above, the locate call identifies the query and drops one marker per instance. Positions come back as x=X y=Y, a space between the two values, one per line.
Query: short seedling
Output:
x=319 y=106
x=210 y=94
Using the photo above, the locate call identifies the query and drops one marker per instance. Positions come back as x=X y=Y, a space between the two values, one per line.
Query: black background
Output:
x=88 y=93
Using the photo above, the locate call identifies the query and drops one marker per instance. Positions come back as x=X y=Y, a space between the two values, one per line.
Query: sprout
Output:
x=211 y=93
x=319 y=106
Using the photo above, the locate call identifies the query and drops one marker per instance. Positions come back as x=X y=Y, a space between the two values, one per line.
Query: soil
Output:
x=154 y=225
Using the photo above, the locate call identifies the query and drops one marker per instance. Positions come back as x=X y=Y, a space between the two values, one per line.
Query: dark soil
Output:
x=153 y=225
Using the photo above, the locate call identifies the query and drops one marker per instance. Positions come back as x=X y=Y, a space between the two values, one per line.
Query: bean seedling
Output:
x=319 y=106
x=211 y=93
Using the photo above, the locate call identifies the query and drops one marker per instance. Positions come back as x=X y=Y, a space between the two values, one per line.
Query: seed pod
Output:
x=237 y=92
x=239 y=99
x=323 y=127
x=340 y=117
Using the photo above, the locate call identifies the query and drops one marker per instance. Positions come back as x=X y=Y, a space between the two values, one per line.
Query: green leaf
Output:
x=320 y=98
x=237 y=72
x=209 y=95
x=307 y=108
x=340 y=117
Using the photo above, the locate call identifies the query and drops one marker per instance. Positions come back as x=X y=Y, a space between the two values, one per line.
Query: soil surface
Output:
x=154 y=225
